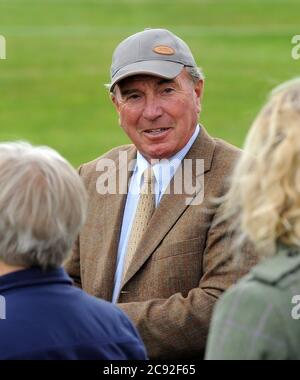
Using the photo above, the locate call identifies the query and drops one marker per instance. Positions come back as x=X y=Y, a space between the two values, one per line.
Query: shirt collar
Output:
x=33 y=276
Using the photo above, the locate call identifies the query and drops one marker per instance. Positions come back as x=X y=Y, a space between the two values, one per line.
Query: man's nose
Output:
x=152 y=109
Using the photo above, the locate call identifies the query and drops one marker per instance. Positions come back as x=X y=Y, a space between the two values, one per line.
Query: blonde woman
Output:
x=259 y=318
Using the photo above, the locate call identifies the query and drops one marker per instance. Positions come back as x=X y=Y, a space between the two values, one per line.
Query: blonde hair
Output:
x=264 y=197
x=42 y=206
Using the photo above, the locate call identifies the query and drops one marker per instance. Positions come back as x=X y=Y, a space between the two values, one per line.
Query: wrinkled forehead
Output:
x=143 y=78
x=153 y=80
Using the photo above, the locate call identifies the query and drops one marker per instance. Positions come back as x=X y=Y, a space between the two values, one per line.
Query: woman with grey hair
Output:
x=259 y=317
x=43 y=316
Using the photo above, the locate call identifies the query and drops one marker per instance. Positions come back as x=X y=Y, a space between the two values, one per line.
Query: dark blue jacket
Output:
x=46 y=317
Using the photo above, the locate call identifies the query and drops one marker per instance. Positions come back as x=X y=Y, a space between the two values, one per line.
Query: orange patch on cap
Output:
x=165 y=50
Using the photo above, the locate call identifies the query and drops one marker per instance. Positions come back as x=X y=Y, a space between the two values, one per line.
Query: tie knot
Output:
x=149 y=175
x=149 y=180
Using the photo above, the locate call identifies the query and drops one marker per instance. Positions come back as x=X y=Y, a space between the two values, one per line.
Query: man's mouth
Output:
x=156 y=131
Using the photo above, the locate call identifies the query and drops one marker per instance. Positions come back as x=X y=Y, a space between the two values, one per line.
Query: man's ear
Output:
x=117 y=105
x=115 y=102
x=199 y=87
x=198 y=91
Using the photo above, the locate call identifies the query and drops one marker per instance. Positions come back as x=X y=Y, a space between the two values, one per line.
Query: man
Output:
x=167 y=270
x=42 y=316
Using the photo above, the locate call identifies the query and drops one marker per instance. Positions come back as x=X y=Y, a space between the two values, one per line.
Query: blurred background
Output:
x=59 y=53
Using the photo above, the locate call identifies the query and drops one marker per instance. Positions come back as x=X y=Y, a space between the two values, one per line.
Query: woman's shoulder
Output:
x=269 y=282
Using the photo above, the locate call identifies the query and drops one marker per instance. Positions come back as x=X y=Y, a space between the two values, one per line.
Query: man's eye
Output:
x=168 y=90
x=133 y=97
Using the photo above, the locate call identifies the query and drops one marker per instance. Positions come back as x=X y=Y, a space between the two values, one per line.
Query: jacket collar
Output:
x=33 y=277
x=173 y=205
x=108 y=213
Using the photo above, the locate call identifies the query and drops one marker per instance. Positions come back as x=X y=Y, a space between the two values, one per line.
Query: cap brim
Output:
x=163 y=69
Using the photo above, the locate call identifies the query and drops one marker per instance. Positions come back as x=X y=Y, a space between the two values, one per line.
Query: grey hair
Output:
x=195 y=73
x=43 y=205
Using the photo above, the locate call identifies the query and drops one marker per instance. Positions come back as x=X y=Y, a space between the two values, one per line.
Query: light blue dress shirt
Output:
x=164 y=171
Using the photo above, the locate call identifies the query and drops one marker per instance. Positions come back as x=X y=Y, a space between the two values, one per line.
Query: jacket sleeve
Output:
x=177 y=327
x=246 y=325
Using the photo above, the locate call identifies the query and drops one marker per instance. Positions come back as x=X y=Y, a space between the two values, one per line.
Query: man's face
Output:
x=158 y=115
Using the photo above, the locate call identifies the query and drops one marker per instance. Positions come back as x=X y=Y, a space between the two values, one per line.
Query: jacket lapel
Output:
x=107 y=223
x=172 y=204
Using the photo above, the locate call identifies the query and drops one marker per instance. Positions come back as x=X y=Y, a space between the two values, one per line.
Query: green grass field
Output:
x=59 y=52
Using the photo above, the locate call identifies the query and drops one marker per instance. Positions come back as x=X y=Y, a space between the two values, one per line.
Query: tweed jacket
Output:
x=259 y=318
x=182 y=264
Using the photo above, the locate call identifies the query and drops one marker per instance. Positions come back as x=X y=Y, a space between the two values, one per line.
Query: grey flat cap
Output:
x=153 y=51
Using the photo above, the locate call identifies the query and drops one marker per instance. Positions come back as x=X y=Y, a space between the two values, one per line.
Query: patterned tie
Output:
x=144 y=211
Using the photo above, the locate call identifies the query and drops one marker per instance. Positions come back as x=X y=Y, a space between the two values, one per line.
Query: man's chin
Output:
x=157 y=155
